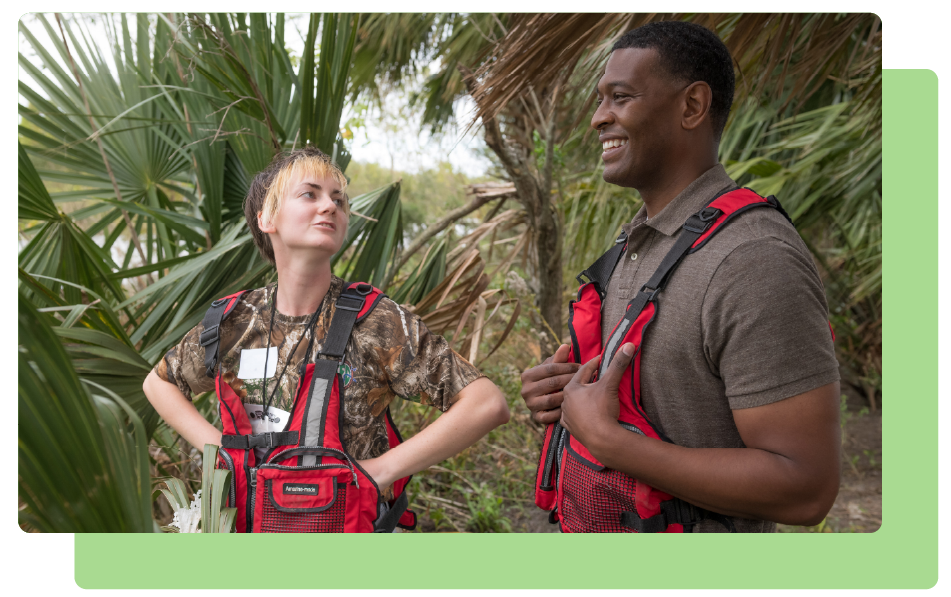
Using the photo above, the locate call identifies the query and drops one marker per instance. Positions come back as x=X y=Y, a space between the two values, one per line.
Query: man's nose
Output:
x=602 y=117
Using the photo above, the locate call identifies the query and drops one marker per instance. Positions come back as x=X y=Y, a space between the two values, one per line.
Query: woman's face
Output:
x=312 y=217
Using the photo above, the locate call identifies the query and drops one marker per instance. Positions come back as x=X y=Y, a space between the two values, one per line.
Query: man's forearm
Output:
x=180 y=414
x=744 y=482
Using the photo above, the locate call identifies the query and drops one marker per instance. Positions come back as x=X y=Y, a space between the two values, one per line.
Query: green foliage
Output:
x=82 y=463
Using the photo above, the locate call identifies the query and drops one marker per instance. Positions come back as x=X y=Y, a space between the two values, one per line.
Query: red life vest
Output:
x=582 y=494
x=307 y=482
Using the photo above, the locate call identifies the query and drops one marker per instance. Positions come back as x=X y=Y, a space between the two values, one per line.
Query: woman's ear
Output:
x=268 y=228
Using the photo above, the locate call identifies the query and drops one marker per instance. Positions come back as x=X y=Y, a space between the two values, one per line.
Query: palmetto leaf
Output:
x=373 y=242
x=79 y=468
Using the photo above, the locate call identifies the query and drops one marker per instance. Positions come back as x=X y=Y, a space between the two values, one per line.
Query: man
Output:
x=737 y=368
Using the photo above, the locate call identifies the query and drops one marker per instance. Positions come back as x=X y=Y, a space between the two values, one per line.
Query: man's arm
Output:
x=788 y=473
x=477 y=409
x=180 y=414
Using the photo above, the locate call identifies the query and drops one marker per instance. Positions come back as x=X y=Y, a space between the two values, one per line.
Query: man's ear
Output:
x=698 y=97
x=269 y=228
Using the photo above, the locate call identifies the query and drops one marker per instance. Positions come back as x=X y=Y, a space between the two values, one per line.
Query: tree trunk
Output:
x=534 y=193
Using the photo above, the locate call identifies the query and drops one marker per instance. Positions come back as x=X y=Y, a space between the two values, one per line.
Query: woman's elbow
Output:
x=501 y=408
x=495 y=406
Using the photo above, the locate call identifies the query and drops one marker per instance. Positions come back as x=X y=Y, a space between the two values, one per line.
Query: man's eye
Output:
x=618 y=96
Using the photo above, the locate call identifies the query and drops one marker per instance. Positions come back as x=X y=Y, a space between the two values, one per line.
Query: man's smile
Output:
x=612 y=146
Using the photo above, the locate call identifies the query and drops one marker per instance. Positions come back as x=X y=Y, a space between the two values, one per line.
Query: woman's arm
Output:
x=477 y=409
x=180 y=414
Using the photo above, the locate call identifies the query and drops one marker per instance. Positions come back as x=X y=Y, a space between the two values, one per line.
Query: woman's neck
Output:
x=302 y=286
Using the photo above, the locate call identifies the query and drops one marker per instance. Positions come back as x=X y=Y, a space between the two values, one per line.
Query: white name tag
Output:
x=276 y=421
x=252 y=363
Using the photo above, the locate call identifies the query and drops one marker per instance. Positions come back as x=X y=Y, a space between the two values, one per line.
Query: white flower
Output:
x=187 y=519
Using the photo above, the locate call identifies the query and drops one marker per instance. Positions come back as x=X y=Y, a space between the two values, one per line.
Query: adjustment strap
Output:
x=600 y=271
x=347 y=307
x=675 y=511
x=694 y=228
x=271 y=439
x=210 y=336
x=387 y=523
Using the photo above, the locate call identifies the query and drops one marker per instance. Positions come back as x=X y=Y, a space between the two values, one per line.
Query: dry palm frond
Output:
x=540 y=48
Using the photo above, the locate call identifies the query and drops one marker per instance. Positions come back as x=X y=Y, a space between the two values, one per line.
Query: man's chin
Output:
x=614 y=174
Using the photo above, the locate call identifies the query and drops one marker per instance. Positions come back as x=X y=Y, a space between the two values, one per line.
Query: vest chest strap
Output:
x=270 y=439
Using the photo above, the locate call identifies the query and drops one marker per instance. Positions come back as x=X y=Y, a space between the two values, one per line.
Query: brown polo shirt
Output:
x=743 y=322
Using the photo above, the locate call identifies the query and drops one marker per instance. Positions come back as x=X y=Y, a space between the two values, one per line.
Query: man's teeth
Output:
x=611 y=143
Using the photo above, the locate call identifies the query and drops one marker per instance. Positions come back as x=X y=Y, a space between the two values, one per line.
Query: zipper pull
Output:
x=253 y=477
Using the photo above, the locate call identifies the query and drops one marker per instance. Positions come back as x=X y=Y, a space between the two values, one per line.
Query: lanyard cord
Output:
x=310 y=324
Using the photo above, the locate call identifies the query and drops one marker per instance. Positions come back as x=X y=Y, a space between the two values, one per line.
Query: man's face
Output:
x=638 y=117
x=312 y=216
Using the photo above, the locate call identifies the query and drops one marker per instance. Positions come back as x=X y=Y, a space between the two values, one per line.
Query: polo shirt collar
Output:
x=688 y=202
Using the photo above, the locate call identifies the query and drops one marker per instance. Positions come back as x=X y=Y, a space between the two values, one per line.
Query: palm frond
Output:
x=79 y=467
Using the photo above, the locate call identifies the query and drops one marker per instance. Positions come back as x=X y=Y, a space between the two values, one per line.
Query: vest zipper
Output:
x=548 y=477
x=630 y=427
x=229 y=462
x=252 y=490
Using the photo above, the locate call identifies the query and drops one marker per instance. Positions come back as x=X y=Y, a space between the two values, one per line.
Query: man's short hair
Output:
x=691 y=53
x=267 y=190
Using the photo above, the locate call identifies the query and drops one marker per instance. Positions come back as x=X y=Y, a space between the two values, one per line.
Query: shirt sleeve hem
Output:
x=784 y=391
x=465 y=383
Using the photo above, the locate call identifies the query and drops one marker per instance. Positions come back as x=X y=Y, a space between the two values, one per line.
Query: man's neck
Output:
x=302 y=285
x=659 y=194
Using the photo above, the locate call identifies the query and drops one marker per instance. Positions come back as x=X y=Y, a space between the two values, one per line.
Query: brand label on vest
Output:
x=300 y=489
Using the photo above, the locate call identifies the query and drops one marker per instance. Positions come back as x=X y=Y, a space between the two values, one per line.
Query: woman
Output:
x=274 y=356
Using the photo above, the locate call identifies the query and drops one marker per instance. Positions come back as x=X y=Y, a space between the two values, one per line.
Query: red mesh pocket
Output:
x=277 y=519
x=594 y=500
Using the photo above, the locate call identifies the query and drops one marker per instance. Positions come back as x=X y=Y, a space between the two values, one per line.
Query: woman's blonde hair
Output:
x=267 y=191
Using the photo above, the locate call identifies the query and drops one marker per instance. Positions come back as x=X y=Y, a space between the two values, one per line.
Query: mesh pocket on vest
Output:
x=330 y=520
x=594 y=500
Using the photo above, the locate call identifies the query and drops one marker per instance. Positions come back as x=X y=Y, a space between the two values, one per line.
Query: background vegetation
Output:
x=135 y=155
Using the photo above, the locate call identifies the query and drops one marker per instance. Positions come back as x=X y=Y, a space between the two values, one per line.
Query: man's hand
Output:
x=542 y=385
x=591 y=409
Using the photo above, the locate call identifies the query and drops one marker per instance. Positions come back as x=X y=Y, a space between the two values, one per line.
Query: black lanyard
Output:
x=310 y=325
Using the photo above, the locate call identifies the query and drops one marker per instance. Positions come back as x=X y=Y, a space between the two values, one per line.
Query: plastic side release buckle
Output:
x=701 y=221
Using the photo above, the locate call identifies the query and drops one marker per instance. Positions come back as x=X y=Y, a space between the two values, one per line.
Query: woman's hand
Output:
x=377 y=469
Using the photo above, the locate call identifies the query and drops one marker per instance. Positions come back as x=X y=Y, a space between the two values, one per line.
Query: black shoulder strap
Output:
x=348 y=306
x=600 y=271
x=210 y=336
x=694 y=228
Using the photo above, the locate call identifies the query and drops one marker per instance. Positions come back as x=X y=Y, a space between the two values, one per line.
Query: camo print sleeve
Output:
x=183 y=365
x=419 y=365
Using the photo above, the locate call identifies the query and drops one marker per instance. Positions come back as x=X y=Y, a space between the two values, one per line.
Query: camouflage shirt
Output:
x=390 y=353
